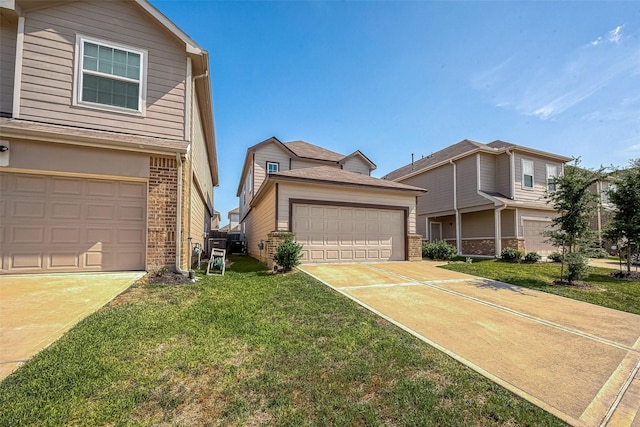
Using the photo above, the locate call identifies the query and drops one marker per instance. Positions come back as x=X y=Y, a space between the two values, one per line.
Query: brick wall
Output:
x=415 y=247
x=514 y=243
x=275 y=238
x=479 y=247
x=162 y=210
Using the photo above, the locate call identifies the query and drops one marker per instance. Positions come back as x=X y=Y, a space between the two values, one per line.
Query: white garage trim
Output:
x=387 y=248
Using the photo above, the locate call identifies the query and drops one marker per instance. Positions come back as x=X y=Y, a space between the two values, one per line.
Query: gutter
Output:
x=179 y=217
x=455 y=207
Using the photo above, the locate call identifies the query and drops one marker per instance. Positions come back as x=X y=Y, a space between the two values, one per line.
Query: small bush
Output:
x=532 y=257
x=598 y=253
x=577 y=266
x=438 y=250
x=510 y=255
x=287 y=253
x=555 y=257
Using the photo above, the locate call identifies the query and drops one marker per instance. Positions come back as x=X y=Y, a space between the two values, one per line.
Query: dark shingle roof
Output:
x=331 y=175
x=310 y=151
x=435 y=158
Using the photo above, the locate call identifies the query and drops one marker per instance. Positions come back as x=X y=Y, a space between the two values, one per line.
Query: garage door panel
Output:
x=28 y=209
x=29 y=184
x=365 y=234
x=131 y=213
x=101 y=188
x=66 y=186
x=67 y=228
x=65 y=235
x=58 y=260
x=534 y=238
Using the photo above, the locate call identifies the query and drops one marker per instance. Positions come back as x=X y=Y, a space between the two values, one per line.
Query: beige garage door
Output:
x=534 y=239
x=348 y=234
x=69 y=224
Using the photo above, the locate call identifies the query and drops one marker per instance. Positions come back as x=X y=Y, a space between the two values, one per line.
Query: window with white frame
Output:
x=273 y=167
x=552 y=174
x=527 y=174
x=110 y=75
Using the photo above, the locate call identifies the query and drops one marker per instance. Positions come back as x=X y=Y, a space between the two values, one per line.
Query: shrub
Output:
x=511 y=255
x=287 y=253
x=438 y=250
x=555 y=257
x=577 y=266
x=532 y=257
x=598 y=253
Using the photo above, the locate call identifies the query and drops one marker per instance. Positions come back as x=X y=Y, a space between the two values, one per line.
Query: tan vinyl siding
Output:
x=467 y=182
x=503 y=174
x=478 y=224
x=264 y=154
x=356 y=164
x=65 y=158
x=48 y=68
x=200 y=159
x=8 y=33
x=346 y=195
x=539 y=177
x=259 y=223
x=508 y=223
x=439 y=184
x=448 y=226
x=487 y=172
x=421 y=225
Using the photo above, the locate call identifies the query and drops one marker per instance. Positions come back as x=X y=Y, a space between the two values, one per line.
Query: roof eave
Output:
x=276 y=177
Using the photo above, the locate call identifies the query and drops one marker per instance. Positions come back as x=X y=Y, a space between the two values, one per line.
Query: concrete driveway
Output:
x=578 y=361
x=35 y=310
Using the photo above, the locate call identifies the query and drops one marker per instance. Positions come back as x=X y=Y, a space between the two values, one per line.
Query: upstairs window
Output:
x=552 y=174
x=273 y=167
x=110 y=75
x=527 y=174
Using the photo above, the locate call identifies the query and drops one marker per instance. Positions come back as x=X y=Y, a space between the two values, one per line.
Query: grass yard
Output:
x=606 y=291
x=250 y=348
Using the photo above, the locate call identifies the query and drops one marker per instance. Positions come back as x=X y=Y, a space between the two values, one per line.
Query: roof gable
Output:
x=305 y=150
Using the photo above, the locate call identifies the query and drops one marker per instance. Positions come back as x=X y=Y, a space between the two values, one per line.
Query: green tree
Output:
x=576 y=204
x=624 y=194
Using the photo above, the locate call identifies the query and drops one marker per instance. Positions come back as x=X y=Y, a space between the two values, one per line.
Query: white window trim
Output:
x=549 y=176
x=78 y=74
x=277 y=165
x=524 y=187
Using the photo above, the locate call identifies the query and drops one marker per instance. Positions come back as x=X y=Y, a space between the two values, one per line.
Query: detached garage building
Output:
x=328 y=200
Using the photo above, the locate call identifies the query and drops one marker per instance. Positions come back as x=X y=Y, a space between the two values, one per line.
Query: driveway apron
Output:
x=35 y=310
x=579 y=361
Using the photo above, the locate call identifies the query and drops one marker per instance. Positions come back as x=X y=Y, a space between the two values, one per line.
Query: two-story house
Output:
x=337 y=211
x=108 y=158
x=484 y=197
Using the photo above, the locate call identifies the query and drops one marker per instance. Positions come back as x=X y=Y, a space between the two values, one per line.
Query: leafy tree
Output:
x=624 y=194
x=576 y=204
x=288 y=253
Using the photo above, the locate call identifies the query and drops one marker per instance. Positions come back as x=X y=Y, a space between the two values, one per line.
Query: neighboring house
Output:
x=604 y=211
x=216 y=219
x=110 y=158
x=234 y=221
x=484 y=197
x=337 y=211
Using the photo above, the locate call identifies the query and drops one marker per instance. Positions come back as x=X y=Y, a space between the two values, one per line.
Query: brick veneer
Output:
x=275 y=238
x=162 y=210
x=415 y=247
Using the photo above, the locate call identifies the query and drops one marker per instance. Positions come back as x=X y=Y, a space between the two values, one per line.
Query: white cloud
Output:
x=613 y=36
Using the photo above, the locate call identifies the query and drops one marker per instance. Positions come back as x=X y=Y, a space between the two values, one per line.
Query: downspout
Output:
x=455 y=208
x=512 y=174
x=498 y=226
x=179 y=217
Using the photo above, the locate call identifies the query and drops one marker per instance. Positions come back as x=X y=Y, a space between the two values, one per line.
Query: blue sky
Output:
x=396 y=78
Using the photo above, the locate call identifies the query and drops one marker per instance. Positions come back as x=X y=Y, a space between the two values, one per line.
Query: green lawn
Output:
x=250 y=348
x=606 y=291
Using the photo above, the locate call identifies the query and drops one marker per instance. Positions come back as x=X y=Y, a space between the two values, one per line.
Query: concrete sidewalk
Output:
x=576 y=360
x=35 y=310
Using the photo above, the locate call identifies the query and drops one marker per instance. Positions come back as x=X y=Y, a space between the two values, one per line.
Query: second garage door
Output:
x=71 y=224
x=349 y=234
x=534 y=238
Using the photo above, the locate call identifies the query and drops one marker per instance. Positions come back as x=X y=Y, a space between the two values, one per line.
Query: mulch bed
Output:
x=634 y=275
x=576 y=284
